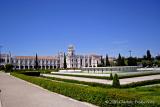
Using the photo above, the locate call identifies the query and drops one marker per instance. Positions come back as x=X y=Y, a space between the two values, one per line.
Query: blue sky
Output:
x=93 y=26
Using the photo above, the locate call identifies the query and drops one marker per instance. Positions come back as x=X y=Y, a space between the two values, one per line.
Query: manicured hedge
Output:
x=46 y=71
x=79 y=82
x=29 y=73
x=141 y=83
x=109 y=78
x=85 y=76
x=94 y=95
x=33 y=73
x=138 y=75
x=131 y=85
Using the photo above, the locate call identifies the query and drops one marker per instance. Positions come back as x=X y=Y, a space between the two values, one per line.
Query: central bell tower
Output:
x=70 y=58
x=71 y=51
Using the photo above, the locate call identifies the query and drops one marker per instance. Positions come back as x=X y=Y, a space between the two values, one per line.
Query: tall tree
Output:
x=36 y=62
x=97 y=64
x=102 y=61
x=119 y=60
x=144 y=57
x=65 y=64
x=107 y=61
x=123 y=62
x=147 y=60
x=149 y=57
x=158 y=57
x=132 y=61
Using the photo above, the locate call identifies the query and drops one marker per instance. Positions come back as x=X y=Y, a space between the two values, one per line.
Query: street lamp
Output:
x=130 y=52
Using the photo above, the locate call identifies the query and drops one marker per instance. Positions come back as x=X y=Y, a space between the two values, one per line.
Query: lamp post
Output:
x=130 y=53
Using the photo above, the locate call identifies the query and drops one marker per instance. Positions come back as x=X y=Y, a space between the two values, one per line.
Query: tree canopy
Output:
x=107 y=61
x=120 y=61
x=36 y=62
x=132 y=61
x=64 y=64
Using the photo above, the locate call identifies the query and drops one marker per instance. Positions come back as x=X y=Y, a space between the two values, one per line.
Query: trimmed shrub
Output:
x=116 y=82
x=2 y=67
x=141 y=83
x=8 y=68
x=111 y=76
x=31 y=73
x=45 y=71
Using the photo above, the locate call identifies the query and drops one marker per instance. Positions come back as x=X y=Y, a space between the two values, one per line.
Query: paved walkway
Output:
x=18 y=93
x=103 y=81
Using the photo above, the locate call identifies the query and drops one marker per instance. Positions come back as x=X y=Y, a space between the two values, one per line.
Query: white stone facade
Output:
x=5 y=59
x=51 y=62
x=28 y=62
x=79 y=61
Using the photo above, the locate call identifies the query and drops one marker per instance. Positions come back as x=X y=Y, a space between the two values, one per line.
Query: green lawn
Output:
x=147 y=93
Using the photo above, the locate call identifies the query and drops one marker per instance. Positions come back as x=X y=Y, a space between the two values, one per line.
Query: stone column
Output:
x=33 y=64
x=28 y=64
x=19 y=62
x=41 y=63
x=48 y=64
x=83 y=60
x=45 y=64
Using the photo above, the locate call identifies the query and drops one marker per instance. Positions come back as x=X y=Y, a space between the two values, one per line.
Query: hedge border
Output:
x=85 y=76
x=94 y=84
x=131 y=85
x=141 y=83
x=108 y=78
